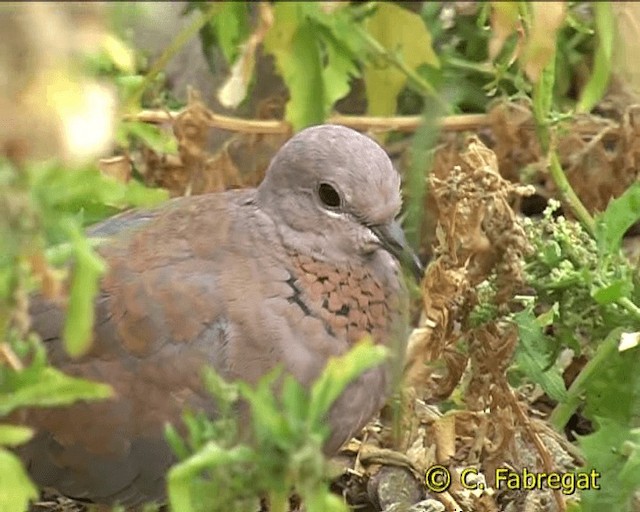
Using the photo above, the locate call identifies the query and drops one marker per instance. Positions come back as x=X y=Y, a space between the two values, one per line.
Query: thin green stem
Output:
x=627 y=304
x=420 y=83
x=170 y=51
x=563 y=411
x=568 y=195
x=585 y=218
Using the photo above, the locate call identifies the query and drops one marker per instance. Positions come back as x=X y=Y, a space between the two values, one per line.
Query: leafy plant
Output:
x=589 y=291
x=219 y=471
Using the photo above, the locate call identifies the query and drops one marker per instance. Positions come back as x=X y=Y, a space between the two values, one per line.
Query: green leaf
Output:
x=16 y=490
x=179 y=478
x=137 y=194
x=620 y=215
x=268 y=423
x=13 y=435
x=293 y=42
x=533 y=352
x=597 y=84
x=342 y=48
x=231 y=27
x=607 y=349
x=402 y=32
x=295 y=402
x=153 y=136
x=46 y=386
x=176 y=443
x=340 y=371
x=88 y=267
x=613 y=389
x=57 y=190
x=337 y=74
x=613 y=450
x=612 y=291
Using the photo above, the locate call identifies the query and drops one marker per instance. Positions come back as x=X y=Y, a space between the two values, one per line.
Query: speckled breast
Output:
x=350 y=301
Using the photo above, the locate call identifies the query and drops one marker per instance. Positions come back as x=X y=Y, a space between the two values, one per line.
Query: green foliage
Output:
x=584 y=290
x=613 y=451
x=227 y=29
x=40 y=385
x=297 y=54
x=149 y=135
x=536 y=353
x=44 y=207
x=218 y=471
x=567 y=272
x=620 y=215
x=320 y=49
x=399 y=32
x=595 y=88
x=589 y=289
x=15 y=486
x=316 y=54
x=415 y=187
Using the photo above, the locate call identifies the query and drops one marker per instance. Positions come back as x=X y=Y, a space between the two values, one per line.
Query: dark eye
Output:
x=329 y=196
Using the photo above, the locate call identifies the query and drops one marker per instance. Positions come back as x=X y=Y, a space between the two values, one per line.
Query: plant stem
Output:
x=170 y=51
x=423 y=86
x=568 y=195
x=627 y=304
x=563 y=411
x=585 y=218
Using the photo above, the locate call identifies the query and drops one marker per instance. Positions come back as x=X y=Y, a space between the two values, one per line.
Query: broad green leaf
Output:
x=137 y=194
x=612 y=292
x=620 y=215
x=597 y=85
x=231 y=27
x=293 y=42
x=343 y=48
x=532 y=355
x=592 y=371
x=401 y=32
x=119 y=53
x=16 y=490
x=325 y=502
x=613 y=450
x=46 y=386
x=14 y=435
x=337 y=74
x=613 y=388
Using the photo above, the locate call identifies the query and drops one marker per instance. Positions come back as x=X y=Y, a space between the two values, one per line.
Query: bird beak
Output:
x=392 y=238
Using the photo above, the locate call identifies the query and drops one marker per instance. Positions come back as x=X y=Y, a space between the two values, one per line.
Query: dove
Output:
x=291 y=273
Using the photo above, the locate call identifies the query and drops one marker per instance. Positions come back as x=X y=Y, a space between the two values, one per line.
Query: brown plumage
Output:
x=290 y=273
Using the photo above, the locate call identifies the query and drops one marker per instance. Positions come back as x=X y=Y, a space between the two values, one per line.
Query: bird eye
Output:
x=329 y=196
